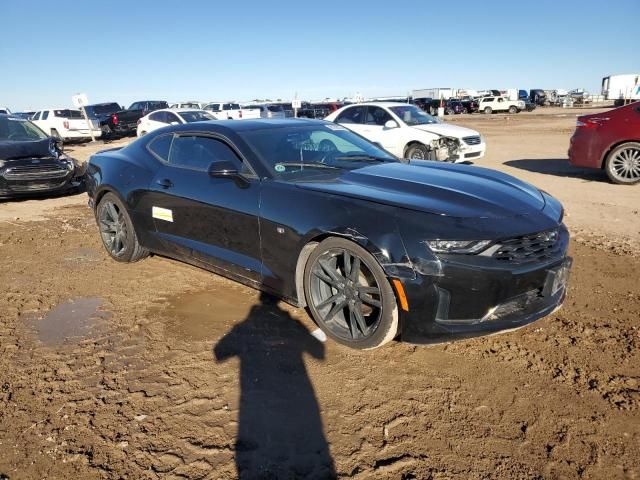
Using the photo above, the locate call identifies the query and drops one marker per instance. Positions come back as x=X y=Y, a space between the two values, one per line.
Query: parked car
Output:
x=25 y=115
x=408 y=132
x=230 y=111
x=191 y=105
x=529 y=106
x=375 y=247
x=469 y=104
x=538 y=96
x=267 y=110
x=610 y=141
x=114 y=120
x=162 y=118
x=453 y=107
x=66 y=124
x=148 y=106
x=32 y=163
x=489 y=105
x=5 y=110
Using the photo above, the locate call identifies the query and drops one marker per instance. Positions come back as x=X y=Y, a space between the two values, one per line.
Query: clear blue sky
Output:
x=206 y=50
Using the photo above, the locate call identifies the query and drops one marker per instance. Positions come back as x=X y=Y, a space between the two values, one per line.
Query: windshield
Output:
x=196 y=116
x=293 y=153
x=412 y=115
x=18 y=129
x=105 y=109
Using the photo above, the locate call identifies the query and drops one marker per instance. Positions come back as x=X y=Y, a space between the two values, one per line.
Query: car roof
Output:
x=380 y=104
x=248 y=125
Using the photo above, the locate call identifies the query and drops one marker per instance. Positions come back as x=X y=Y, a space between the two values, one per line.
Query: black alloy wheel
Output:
x=349 y=295
x=116 y=230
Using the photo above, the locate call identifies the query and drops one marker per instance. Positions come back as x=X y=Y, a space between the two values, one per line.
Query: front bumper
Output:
x=470 y=296
x=24 y=179
x=469 y=152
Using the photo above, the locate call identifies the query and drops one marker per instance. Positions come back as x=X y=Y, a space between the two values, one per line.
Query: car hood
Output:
x=11 y=150
x=443 y=189
x=447 y=130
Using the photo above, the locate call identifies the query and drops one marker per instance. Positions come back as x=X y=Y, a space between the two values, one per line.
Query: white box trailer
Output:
x=434 y=93
x=621 y=87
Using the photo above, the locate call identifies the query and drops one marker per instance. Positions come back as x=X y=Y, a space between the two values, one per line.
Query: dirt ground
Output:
x=161 y=370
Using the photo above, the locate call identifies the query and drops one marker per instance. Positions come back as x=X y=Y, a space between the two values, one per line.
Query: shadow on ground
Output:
x=280 y=433
x=560 y=167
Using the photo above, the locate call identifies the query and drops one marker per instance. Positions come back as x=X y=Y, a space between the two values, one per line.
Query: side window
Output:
x=377 y=116
x=501 y=99
x=170 y=117
x=198 y=153
x=214 y=107
x=36 y=116
x=45 y=114
x=352 y=115
x=161 y=146
x=158 y=117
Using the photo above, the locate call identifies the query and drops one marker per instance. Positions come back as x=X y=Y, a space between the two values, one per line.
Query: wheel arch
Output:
x=378 y=249
x=412 y=143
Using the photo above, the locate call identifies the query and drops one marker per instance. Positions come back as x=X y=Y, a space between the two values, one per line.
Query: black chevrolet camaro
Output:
x=374 y=247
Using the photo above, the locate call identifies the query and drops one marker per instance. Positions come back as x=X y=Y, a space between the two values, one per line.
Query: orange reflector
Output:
x=401 y=295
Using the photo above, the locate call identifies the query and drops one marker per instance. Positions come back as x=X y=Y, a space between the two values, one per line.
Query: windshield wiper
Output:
x=307 y=164
x=362 y=158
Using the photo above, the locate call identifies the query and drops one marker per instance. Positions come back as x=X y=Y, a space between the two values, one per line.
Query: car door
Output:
x=213 y=220
x=374 y=128
x=353 y=118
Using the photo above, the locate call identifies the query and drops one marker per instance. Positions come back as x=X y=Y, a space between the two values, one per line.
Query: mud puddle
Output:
x=206 y=314
x=76 y=320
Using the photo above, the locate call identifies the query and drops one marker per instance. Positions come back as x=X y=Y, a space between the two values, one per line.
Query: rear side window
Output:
x=36 y=116
x=45 y=114
x=158 y=117
x=161 y=146
x=352 y=115
x=214 y=107
x=198 y=153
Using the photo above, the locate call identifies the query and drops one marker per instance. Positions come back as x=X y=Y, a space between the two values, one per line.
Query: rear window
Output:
x=67 y=113
x=275 y=108
x=103 y=109
x=161 y=146
x=230 y=106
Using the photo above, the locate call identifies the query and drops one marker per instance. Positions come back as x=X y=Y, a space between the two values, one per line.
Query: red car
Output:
x=610 y=141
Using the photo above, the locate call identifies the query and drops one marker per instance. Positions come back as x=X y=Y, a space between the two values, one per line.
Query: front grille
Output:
x=529 y=248
x=33 y=187
x=35 y=172
x=472 y=154
x=474 y=140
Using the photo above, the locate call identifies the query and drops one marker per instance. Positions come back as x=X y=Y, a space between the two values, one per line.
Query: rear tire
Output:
x=623 y=164
x=349 y=295
x=513 y=109
x=488 y=110
x=116 y=230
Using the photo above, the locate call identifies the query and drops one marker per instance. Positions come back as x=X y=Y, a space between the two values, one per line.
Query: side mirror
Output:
x=391 y=124
x=223 y=169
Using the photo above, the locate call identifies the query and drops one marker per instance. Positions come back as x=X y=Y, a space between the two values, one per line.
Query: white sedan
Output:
x=162 y=118
x=408 y=132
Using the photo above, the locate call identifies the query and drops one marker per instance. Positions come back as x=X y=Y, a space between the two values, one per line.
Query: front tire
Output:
x=117 y=232
x=417 y=152
x=349 y=296
x=623 y=164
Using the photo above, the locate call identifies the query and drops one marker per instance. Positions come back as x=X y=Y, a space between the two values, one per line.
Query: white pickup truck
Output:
x=230 y=111
x=66 y=124
x=500 y=104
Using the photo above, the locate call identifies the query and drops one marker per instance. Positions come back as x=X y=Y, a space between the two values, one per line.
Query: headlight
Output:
x=457 y=246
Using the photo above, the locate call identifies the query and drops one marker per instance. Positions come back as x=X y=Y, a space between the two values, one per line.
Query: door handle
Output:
x=165 y=183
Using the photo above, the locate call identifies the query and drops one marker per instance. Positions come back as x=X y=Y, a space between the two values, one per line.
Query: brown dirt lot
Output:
x=152 y=370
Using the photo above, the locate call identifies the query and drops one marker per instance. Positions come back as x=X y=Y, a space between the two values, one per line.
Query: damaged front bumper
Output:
x=471 y=295
x=33 y=177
